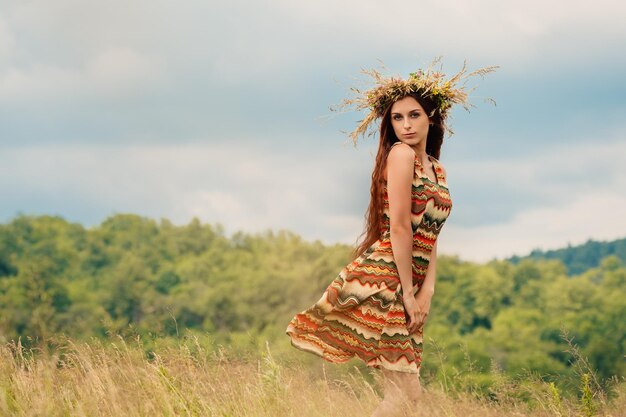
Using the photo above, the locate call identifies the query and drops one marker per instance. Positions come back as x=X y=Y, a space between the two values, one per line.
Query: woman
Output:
x=375 y=309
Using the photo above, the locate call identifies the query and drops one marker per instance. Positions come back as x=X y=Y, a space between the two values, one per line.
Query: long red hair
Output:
x=374 y=213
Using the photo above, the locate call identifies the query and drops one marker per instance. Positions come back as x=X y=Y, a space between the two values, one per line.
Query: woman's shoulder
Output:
x=401 y=151
x=401 y=158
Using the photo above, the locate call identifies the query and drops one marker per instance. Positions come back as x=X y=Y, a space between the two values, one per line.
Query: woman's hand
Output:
x=417 y=308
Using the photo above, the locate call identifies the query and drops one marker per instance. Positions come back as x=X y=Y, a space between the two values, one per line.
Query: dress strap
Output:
x=441 y=178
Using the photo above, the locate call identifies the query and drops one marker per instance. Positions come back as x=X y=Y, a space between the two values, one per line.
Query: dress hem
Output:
x=376 y=362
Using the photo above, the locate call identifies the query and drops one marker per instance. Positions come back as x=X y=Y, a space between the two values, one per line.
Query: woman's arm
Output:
x=400 y=169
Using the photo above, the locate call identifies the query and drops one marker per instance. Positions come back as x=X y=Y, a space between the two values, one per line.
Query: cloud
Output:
x=146 y=71
x=549 y=174
x=516 y=34
x=320 y=195
x=598 y=216
x=117 y=72
x=551 y=197
x=250 y=189
x=7 y=41
x=211 y=110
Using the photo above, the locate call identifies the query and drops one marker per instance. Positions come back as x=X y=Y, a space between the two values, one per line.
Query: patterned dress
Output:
x=361 y=313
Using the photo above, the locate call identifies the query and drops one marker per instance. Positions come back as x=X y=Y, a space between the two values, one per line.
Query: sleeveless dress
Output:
x=361 y=313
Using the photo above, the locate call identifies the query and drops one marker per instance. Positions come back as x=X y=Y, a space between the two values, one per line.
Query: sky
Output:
x=220 y=111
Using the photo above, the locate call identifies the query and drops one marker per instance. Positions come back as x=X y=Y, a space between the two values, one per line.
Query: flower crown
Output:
x=429 y=83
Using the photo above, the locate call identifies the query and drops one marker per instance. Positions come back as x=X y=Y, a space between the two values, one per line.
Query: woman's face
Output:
x=409 y=121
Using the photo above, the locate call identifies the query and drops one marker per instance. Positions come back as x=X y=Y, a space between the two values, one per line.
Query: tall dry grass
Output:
x=117 y=378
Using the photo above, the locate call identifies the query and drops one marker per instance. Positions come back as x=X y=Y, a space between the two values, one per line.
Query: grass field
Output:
x=123 y=378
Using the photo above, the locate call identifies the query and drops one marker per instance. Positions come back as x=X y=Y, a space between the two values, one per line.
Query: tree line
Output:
x=135 y=275
x=577 y=259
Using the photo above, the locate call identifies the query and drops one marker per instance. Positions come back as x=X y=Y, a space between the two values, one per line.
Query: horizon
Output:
x=230 y=233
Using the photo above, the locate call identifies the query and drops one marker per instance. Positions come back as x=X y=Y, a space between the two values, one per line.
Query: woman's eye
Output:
x=397 y=117
x=415 y=115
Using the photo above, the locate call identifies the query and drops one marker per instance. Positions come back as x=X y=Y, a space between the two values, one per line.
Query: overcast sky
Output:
x=220 y=110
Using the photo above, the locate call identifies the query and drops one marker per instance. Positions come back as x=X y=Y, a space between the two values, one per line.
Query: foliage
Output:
x=577 y=259
x=135 y=277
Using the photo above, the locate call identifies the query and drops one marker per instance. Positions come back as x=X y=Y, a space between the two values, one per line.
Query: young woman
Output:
x=375 y=309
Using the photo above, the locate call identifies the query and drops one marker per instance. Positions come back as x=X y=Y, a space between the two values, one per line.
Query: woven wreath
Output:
x=430 y=83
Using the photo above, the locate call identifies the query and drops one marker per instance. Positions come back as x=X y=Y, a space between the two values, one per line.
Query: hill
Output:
x=578 y=259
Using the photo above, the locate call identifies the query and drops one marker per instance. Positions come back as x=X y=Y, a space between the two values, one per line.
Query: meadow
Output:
x=142 y=318
x=119 y=377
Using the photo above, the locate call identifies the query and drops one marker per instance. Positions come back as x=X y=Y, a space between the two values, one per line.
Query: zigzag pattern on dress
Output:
x=361 y=313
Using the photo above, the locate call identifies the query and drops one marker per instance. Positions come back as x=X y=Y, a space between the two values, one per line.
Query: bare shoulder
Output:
x=400 y=161
x=401 y=153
